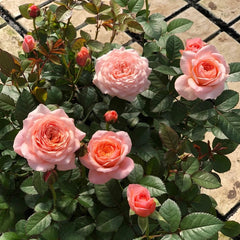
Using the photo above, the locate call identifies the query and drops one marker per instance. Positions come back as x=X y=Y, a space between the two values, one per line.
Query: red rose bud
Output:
x=111 y=116
x=83 y=57
x=50 y=177
x=28 y=44
x=34 y=11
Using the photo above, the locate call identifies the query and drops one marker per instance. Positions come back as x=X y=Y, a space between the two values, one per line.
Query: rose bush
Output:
x=101 y=141
x=122 y=73
x=48 y=139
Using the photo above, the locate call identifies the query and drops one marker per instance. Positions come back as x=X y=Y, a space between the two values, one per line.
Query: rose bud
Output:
x=28 y=44
x=83 y=57
x=111 y=116
x=34 y=11
x=50 y=177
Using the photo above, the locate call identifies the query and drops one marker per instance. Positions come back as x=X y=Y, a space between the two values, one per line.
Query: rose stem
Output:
x=53 y=195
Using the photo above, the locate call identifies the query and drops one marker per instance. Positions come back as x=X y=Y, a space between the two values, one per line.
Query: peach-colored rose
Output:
x=140 y=201
x=48 y=138
x=194 y=45
x=28 y=43
x=106 y=157
x=204 y=74
x=122 y=73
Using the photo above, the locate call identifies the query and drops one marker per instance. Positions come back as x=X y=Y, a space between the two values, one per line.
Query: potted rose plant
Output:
x=100 y=142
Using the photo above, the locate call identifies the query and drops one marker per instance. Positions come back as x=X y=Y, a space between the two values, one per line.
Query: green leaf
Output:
x=166 y=70
x=161 y=102
x=135 y=27
x=85 y=35
x=24 y=10
x=227 y=100
x=154 y=184
x=231 y=229
x=109 y=194
x=6 y=103
x=201 y=203
x=234 y=67
x=183 y=181
x=91 y=20
x=202 y=111
x=85 y=200
x=90 y=7
x=221 y=163
x=172 y=215
x=168 y=136
x=135 y=5
x=10 y=236
x=206 y=180
x=229 y=124
x=199 y=226
x=122 y=3
x=6 y=219
x=173 y=47
x=54 y=95
x=171 y=237
x=109 y=220
x=27 y=186
x=25 y=104
x=152 y=26
x=63 y=14
x=39 y=183
x=179 y=25
x=124 y=232
x=191 y=165
x=95 y=46
x=143 y=223
x=234 y=77
x=136 y=175
x=37 y=222
x=70 y=32
x=84 y=226
x=226 y=146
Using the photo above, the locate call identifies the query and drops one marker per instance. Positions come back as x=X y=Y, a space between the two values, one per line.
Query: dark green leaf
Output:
x=85 y=200
x=6 y=103
x=90 y=7
x=136 y=175
x=6 y=219
x=199 y=226
x=172 y=215
x=24 y=10
x=227 y=100
x=70 y=32
x=202 y=203
x=166 y=70
x=179 y=25
x=109 y=194
x=39 y=183
x=124 y=232
x=63 y=14
x=95 y=46
x=221 y=163
x=231 y=229
x=173 y=47
x=54 y=95
x=27 y=186
x=10 y=236
x=154 y=184
x=234 y=67
x=37 y=222
x=109 y=220
x=168 y=136
x=183 y=181
x=121 y=3
x=206 y=180
x=135 y=5
x=225 y=145
x=191 y=165
x=143 y=223
x=171 y=237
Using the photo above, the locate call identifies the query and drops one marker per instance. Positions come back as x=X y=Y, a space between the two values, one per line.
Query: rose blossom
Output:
x=204 y=74
x=48 y=138
x=111 y=116
x=140 y=201
x=106 y=157
x=122 y=73
x=28 y=43
x=83 y=57
x=194 y=45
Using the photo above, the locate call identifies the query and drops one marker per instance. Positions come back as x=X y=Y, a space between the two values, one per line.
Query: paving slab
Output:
x=201 y=28
x=226 y=10
x=236 y=27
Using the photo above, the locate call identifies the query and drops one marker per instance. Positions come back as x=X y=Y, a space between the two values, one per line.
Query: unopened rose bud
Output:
x=28 y=44
x=50 y=177
x=34 y=11
x=83 y=57
x=111 y=116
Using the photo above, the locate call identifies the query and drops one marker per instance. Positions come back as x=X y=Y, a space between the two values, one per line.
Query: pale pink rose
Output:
x=204 y=74
x=140 y=201
x=194 y=45
x=122 y=73
x=48 y=138
x=106 y=157
x=28 y=43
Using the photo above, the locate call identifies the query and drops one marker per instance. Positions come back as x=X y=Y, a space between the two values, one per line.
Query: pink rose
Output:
x=48 y=138
x=28 y=43
x=194 y=45
x=140 y=201
x=111 y=116
x=204 y=74
x=34 y=11
x=106 y=157
x=83 y=57
x=122 y=73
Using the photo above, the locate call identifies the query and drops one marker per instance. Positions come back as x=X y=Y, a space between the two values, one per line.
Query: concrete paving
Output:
x=228 y=10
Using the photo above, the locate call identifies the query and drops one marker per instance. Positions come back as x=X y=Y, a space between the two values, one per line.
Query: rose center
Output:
x=207 y=66
x=106 y=150
x=121 y=69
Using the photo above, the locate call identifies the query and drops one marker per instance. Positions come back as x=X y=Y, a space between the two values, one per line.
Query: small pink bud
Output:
x=34 y=11
x=28 y=44
x=111 y=116
x=50 y=177
x=83 y=57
